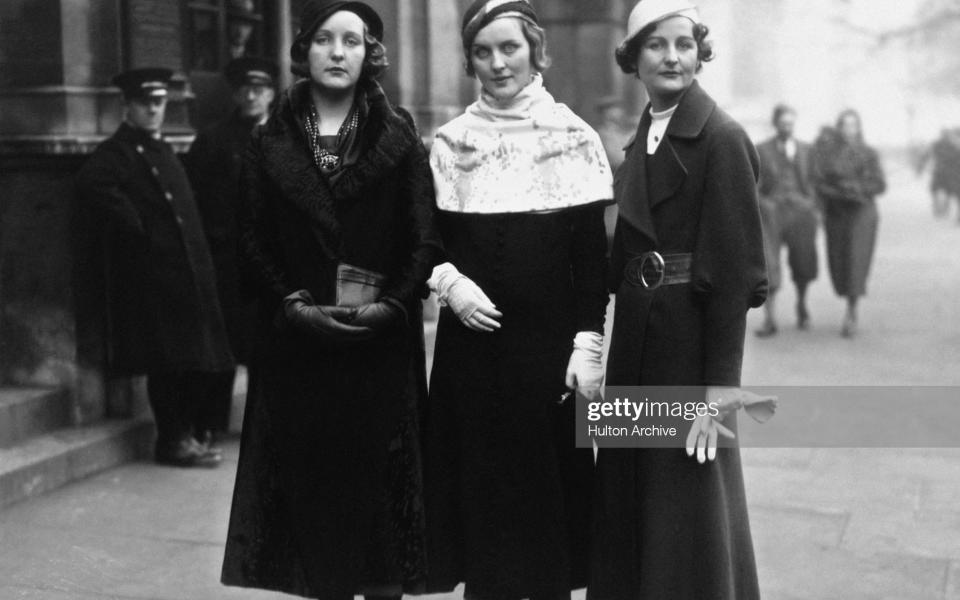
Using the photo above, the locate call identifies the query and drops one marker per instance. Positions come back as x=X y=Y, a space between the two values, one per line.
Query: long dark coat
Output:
x=327 y=497
x=666 y=526
x=508 y=493
x=213 y=164
x=163 y=314
x=848 y=177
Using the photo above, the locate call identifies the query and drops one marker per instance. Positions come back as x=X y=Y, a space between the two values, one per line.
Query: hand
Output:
x=472 y=306
x=465 y=298
x=378 y=316
x=703 y=437
x=585 y=369
x=706 y=429
x=328 y=322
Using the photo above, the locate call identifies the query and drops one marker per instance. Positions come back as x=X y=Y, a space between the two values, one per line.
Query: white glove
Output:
x=706 y=429
x=585 y=369
x=465 y=298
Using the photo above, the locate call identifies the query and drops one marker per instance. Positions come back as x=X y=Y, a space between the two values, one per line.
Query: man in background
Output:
x=162 y=313
x=213 y=165
x=789 y=211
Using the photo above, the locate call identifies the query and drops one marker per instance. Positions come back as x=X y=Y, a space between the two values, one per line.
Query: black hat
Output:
x=481 y=12
x=143 y=83
x=317 y=11
x=250 y=70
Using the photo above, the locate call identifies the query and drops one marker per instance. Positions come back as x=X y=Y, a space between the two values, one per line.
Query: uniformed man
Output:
x=162 y=313
x=789 y=212
x=213 y=165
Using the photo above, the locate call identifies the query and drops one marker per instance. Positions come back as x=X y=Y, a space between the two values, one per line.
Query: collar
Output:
x=693 y=111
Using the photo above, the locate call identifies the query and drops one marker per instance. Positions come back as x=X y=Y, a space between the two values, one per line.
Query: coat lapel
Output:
x=630 y=183
x=666 y=170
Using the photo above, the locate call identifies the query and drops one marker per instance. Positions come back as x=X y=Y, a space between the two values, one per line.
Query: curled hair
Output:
x=374 y=60
x=780 y=110
x=537 y=40
x=627 y=53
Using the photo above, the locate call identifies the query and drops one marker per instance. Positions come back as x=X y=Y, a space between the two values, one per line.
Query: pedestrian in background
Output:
x=163 y=314
x=848 y=177
x=337 y=226
x=789 y=213
x=213 y=165
x=521 y=187
x=687 y=263
x=945 y=179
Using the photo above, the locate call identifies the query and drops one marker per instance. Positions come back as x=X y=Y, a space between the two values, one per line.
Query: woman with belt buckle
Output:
x=688 y=235
x=848 y=177
x=338 y=234
x=521 y=187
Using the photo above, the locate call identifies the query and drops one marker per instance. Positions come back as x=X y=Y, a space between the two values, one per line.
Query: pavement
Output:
x=828 y=523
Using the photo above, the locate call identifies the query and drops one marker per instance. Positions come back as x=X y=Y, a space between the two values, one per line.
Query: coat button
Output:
x=139 y=148
x=155 y=171
x=168 y=196
x=179 y=220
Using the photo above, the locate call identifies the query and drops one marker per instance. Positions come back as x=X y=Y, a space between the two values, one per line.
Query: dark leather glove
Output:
x=328 y=322
x=379 y=316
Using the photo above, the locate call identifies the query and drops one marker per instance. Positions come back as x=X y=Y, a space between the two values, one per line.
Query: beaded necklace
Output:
x=328 y=161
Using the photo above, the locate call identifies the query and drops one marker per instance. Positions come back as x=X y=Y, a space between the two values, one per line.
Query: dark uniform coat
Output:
x=213 y=165
x=327 y=497
x=848 y=177
x=161 y=299
x=789 y=216
x=508 y=492
x=666 y=526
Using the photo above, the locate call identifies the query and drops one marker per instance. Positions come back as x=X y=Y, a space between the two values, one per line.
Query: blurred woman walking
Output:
x=848 y=177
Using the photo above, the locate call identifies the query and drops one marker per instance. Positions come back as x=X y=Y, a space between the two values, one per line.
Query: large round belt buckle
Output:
x=652 y=270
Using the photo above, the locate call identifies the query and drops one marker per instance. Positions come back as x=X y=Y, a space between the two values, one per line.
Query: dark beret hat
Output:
x=149 y=82
x=250 y=70
x=315 y=12
x=482 y=12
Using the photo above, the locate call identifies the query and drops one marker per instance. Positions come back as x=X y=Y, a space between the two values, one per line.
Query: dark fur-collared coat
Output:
x=666 y=526
x=327 y=498
x=162 y=311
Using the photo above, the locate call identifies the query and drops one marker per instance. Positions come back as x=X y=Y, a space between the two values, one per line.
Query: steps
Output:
x=25 y=412
x=40 y=450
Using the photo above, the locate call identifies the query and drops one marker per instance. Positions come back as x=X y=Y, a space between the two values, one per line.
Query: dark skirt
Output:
x=507 y=491
x=851 y=230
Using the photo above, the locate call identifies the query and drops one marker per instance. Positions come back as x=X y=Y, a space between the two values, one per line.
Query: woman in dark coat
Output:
x=339 y=231
x=848 y=177
x=521 y=186
x=666 y=525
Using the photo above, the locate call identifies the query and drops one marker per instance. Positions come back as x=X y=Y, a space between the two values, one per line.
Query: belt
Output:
x=652 y=269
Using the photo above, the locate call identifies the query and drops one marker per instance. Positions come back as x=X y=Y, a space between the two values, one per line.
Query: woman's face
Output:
x=337 y=51
x=850 y=128
x=667 y=61
x=500 y=56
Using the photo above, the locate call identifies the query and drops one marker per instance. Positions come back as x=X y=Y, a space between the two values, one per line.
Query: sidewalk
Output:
x=850 y=524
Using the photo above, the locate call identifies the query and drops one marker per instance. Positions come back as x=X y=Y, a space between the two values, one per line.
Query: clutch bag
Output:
x=356 y=286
